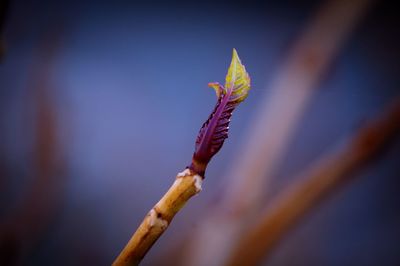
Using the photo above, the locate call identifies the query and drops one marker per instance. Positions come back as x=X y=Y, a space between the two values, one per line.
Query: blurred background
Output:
x=100 y=104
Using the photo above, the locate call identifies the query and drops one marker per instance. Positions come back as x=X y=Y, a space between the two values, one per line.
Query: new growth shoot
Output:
x=215 y=130
x=188 y=183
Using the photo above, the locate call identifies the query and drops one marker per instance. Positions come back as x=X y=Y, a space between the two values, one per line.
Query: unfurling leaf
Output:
x=237 y=79
x=215 y=130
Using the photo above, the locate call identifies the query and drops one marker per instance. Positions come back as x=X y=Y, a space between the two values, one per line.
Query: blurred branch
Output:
x=272 y=129
x=25 y=225
x=324 y=178
x=22 y=228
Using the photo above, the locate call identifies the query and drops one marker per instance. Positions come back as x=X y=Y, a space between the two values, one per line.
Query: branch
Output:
x=23 y=227
x=209 y=141
x=186 y=185
x=328 y=175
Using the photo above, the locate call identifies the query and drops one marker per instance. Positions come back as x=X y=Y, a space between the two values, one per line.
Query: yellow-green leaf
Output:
x=237 y=79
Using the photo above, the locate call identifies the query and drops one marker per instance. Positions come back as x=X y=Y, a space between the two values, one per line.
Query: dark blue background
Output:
x=129 y=82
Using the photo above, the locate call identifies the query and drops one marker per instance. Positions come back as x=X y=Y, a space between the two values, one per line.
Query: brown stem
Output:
x=186 y=185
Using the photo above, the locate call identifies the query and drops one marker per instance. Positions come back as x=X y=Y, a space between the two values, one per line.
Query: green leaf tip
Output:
x=237 y=79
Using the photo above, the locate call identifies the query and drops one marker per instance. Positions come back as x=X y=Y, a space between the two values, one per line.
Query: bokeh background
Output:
x=100 y=104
